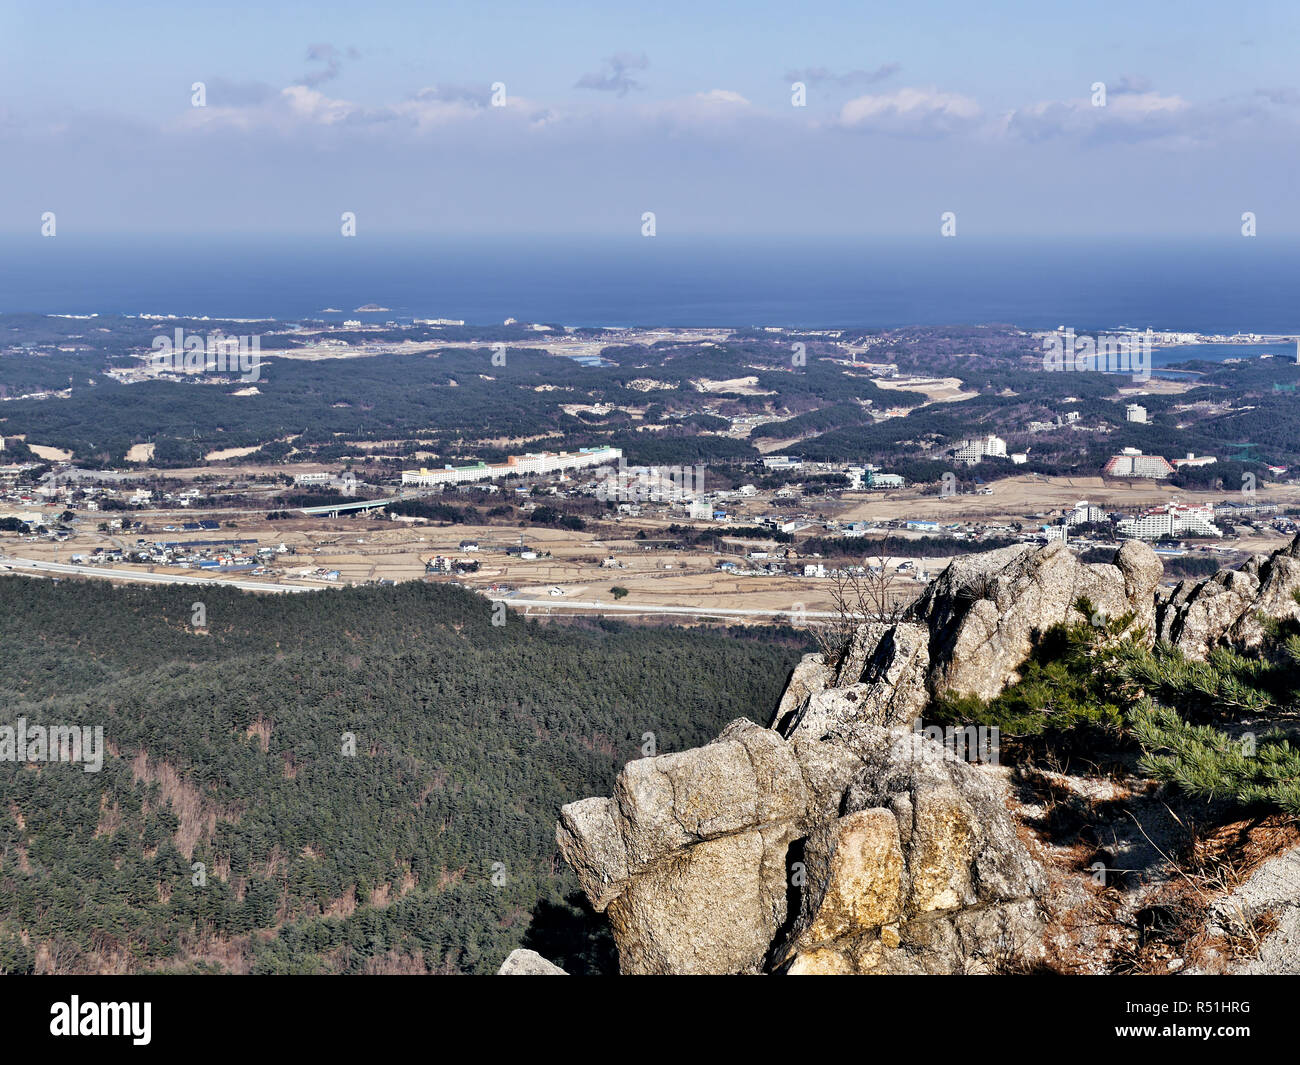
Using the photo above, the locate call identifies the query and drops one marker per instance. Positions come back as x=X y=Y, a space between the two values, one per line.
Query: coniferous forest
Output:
x=360 y=780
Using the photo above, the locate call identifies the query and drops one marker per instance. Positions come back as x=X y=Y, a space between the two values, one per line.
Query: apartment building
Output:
x=973 y=451
x=529 y=464
x=1171 y=520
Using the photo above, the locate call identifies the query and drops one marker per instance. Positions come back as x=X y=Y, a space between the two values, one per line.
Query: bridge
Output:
x=333 y=510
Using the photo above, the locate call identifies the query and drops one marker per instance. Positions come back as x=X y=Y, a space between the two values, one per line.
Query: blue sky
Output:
x=683 y=109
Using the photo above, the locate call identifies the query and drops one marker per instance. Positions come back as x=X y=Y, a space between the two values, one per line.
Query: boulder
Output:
x=811 y=854
x=985 y=612
x=711 y=908
x=1230 y=608
x=881 y=679
x=702 y=834
x=528 y=963
x=810 y=676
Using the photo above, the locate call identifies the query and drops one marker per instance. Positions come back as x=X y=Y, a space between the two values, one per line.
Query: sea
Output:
x=1221 y=287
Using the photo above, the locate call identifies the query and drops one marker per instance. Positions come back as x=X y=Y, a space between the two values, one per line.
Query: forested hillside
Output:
x=429 y=849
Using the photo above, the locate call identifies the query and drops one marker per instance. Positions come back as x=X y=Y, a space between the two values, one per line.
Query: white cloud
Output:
x=722 y=96
x=315 y=106
x=924 y=111
x=1126 y=116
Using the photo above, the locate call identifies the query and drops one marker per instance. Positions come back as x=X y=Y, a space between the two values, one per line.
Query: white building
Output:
x=1195 y=460
x=530 y=464
x=311 y=478
x=973 y=451
x=1171 y=520
x=1085 y=513
x=1135 y=412
x=1132 y=463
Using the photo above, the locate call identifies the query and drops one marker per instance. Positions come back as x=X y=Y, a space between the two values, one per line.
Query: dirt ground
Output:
x=584 y=566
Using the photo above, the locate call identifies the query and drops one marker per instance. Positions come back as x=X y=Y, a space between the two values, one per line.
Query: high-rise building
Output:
x=973 y=451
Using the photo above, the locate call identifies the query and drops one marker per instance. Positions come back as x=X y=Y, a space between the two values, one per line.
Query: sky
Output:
x=683 y=109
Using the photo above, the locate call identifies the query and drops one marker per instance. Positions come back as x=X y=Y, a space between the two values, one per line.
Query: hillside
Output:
x=228 y=829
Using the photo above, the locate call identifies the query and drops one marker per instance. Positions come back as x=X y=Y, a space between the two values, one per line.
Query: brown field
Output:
x=935 y=389
x=366 y=549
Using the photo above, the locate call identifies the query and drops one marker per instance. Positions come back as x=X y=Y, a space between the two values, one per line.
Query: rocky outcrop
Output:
x=1270 y=900
x=968 y=634
x=922 y=873
x=985 y=612
x=860 y=852
x=528 y=963
x=810 y=676
x=1231 y=607
x=841 y=840
x=689 y=856
x=881 y=680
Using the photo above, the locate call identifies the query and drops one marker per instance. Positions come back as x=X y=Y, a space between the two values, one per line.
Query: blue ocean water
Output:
x=1239 y=285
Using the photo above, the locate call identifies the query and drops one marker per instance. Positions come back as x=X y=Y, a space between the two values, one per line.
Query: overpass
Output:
x=333 y=510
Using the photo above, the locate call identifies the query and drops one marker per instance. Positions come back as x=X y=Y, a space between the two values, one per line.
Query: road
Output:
x=38 y=568
x=642 y=608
